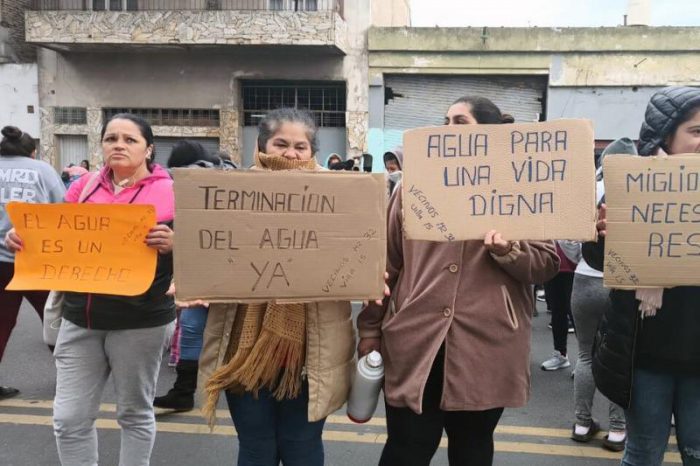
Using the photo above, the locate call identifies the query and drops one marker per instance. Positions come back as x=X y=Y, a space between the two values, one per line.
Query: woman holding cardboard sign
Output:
x=647 y=356
x=107 y=334
x=455 y=334
x=285 y=367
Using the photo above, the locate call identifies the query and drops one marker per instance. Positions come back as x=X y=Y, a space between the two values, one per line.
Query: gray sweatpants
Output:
x=588 y=302
x=84 y=360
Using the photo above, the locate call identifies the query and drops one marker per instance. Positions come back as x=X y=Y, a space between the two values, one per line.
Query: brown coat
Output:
x=330 y=352
x=480 y=305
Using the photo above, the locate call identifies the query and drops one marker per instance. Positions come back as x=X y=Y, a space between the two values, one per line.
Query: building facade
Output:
x=603 y=74
x=200 y=69
x=19 y=91
x=210 y=69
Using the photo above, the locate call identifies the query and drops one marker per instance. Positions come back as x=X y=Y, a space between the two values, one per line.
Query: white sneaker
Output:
x=557 y=361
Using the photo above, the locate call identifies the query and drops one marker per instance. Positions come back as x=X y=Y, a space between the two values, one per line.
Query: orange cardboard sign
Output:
x=90 y=248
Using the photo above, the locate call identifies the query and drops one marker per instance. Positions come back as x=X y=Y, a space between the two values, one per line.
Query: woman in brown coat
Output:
x=455 y=334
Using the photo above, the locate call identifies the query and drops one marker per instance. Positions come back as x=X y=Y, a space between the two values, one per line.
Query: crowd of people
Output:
x=451 y=310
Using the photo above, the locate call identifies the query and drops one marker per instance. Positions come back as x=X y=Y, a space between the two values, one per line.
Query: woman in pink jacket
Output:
x=455 y=334
x=106 y=334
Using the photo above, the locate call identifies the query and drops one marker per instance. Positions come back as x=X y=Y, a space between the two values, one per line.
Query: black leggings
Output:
x=414 y=438
x=558 y=293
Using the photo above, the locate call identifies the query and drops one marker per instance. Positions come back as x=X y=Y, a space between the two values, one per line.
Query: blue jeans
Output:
x=192 y=323
x=655 y=396
x=270 y=431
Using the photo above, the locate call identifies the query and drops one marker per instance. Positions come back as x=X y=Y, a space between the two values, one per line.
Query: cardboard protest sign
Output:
x=528 y=181
x=653 y=218
x=284 y=236
x=91 y=248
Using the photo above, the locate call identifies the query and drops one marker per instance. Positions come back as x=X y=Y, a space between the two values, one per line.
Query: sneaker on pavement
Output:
x=8 y=392
x=556 y=362
x=584 y=434
x=615 y=441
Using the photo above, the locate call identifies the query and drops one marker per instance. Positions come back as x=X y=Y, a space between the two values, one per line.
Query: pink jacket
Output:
x=156 y=189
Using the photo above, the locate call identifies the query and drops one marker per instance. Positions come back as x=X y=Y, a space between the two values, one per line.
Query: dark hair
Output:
x=187 y=152
x=15 y=142
x=87 y=164
x=686 y=114
x=273 y=120
x=484 y=111
x=144 y=128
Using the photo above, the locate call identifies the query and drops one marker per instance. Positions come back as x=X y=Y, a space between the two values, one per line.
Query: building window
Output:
x=170 y=116
x=325 y=101
x=70 y=115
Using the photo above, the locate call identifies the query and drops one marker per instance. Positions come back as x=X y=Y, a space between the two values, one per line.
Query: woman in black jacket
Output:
x=647 y=357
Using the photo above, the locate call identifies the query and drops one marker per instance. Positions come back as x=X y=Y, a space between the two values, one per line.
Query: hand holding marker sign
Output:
x=92 y=248
x=301 y=236
x=527 y=181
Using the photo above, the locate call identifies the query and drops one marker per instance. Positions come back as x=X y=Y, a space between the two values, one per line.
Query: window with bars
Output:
x=170 y=116
x=70 y=115
x=325 y=101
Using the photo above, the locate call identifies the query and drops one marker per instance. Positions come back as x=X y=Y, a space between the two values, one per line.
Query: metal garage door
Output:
x=422 y=100
x=165 y=145
x=72 y=149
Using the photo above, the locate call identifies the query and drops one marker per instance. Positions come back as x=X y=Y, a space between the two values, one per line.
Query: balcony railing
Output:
x=164 y=5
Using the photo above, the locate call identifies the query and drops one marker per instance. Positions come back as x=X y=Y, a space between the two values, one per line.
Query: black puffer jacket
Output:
x=669 y=341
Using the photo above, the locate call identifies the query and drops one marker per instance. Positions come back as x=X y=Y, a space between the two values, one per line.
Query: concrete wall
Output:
x=621 y=56
x=391 y=13
x=355 y=71
x=18 y=91
x=12 y=44
x=186 y=27
x=169 y=80
x=206 y=79
x=615 y=111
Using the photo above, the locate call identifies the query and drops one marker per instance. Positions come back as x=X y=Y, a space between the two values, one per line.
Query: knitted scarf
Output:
x=268 y=340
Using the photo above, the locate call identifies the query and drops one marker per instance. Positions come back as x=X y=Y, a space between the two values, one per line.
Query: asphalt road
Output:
x=537 y=434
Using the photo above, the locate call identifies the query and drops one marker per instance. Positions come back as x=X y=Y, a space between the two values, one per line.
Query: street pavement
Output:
x=537 y=434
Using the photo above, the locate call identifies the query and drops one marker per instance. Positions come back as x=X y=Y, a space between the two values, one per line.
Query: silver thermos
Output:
x=364 y=394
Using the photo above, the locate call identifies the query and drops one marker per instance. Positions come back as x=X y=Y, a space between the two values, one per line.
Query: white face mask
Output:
x=395 y=177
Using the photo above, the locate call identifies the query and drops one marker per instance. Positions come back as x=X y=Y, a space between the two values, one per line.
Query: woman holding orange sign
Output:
x=107 y=334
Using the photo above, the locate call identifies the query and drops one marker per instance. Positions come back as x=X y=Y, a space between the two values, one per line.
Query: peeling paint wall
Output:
x=355 y=71
x=18 y=92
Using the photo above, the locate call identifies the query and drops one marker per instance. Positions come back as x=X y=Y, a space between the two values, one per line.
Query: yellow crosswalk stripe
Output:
x=330 y=434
